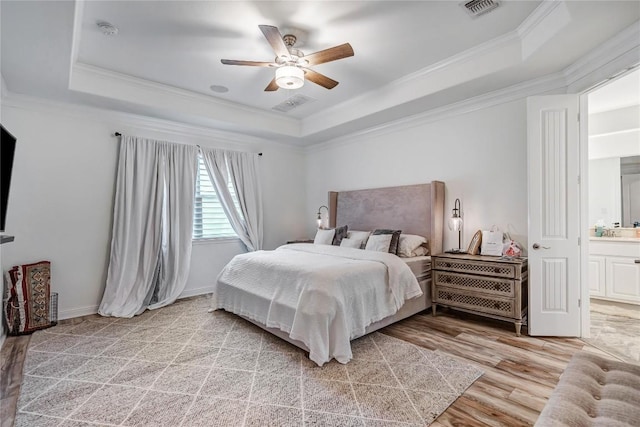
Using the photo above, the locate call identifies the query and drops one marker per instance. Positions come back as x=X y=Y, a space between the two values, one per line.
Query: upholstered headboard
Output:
x=414 y=209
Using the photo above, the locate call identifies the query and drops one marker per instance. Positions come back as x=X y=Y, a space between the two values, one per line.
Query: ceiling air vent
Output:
x=476 y=8
x=293 y=102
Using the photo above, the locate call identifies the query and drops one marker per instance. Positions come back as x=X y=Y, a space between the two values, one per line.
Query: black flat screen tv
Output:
x=7 y=151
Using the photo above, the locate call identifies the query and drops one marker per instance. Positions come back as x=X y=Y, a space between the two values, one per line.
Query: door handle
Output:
x=536 y=246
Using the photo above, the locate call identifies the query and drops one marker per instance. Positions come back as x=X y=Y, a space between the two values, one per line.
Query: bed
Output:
x=320 y=297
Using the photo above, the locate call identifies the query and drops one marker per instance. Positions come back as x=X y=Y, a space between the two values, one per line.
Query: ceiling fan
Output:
x=291 y=64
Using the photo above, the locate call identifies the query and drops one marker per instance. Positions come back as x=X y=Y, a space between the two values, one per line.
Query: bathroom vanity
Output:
x=614 y=268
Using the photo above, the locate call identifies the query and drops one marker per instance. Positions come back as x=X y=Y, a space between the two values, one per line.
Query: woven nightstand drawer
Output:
x=473 y=284
x=474 y=267
x=455 y=298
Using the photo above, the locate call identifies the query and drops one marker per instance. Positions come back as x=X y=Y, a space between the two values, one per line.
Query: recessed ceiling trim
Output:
x=513 y=93
x=78 y=12
x=229 y=139
x=122 y=87
x=539 y=14
x=622 y=48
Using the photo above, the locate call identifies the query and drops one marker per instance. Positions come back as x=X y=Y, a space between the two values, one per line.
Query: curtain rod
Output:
x=119 y=134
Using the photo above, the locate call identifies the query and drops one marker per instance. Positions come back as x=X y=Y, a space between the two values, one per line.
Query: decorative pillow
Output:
x=351 y=243
x=359 y=235
x=395 y=237
x=408 y=243
x=379 y=242
x=324 y=237
x=420 y=251
x=341 y=233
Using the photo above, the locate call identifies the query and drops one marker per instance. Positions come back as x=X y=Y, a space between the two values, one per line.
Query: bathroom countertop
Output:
x=615 y=239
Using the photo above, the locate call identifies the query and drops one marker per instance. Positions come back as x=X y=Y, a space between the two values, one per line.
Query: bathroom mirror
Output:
x=630 y=188
x=614 y=152
x=614 y=191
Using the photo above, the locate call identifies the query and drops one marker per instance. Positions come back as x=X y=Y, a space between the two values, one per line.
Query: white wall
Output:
x=605 y=199
x=61 y=200
x=480 y=156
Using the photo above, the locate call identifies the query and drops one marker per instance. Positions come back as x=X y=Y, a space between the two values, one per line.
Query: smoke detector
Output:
x=476 y=8
x=293 y=102
x=107 y=28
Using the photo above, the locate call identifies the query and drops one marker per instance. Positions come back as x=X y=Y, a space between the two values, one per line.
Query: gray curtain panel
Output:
x=152 y=226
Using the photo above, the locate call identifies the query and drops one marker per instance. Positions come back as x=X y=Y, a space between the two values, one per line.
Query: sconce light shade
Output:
x=319 y=218
x=289 y=77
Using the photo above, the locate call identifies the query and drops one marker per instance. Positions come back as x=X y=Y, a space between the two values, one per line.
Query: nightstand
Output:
x=299 y=241
x=488 y=286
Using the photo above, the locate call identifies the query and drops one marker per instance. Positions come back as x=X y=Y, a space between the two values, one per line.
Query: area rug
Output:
x=182 y=366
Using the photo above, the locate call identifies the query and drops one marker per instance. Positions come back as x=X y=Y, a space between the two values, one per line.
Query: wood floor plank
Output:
x=12 y=356
x=520 y=373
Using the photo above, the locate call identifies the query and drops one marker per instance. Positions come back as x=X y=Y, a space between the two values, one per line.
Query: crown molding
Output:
x=78 y=12
x=477 y=53
x=621 y=51
x=143 y=123
x=537 y=17
x=160 y=87
x=618 y=53
x=547 y=84
x=98 y=81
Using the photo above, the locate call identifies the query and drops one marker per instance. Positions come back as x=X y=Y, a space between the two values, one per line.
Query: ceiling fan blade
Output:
x=272 y=86
x=319 y=79
x=275 y=40
x=251 y=63
x=331 y=54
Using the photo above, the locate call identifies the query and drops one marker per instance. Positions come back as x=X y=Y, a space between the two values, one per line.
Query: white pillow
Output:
x=409 y=243
x=351 y=243
x=359 y=235
x=379 y=242
x=324 y=237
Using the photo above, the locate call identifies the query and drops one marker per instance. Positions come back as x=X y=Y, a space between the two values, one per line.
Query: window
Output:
x=209 y=219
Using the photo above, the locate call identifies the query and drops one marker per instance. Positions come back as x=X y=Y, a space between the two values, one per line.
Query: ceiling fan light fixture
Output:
x=289 y=77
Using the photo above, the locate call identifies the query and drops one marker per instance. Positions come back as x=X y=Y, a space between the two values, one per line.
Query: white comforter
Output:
x=321 y=295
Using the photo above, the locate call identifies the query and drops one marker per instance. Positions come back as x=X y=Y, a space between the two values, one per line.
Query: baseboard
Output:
x=195 y=292
x=77 y=312
x=93 y=309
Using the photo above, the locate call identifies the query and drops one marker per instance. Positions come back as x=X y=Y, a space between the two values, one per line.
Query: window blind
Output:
x=209 y=220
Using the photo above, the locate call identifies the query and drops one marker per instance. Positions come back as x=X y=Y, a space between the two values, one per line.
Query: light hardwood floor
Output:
x=519 y=372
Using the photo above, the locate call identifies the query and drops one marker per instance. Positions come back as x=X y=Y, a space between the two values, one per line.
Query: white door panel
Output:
x=554 y=220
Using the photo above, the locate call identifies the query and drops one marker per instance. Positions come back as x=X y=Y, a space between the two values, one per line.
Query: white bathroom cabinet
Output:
x=614 y=269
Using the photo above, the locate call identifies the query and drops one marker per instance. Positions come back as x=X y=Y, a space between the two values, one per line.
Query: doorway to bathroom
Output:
x=613 y=210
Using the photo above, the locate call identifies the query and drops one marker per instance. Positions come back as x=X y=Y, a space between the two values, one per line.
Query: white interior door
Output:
x=554 y=215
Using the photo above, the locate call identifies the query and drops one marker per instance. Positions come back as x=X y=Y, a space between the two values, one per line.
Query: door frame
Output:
x=583 y=197
x=583 y=165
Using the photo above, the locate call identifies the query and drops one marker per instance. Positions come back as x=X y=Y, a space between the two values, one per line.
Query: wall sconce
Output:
x=319 y=219
x=455 y=224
